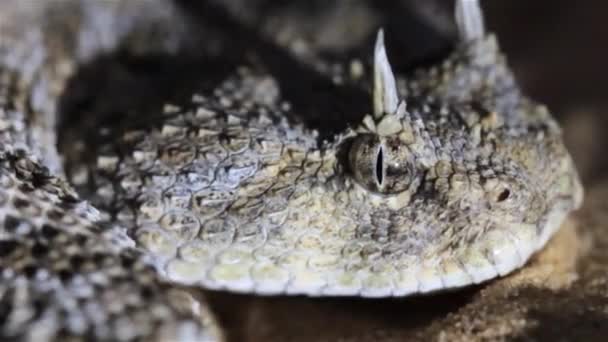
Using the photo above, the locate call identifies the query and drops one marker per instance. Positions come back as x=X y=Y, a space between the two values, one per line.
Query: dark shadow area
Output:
x=254 y=318
x=116 y=93
x=568 y=317
x=317 y=101
x=412 y=42
x=558 y=48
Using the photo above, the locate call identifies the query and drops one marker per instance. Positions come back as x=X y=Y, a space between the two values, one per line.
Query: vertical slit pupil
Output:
x=380 y=166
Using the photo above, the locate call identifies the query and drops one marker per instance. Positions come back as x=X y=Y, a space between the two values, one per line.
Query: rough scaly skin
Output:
x=65 y=274
x=62 y=276
x=226 y=193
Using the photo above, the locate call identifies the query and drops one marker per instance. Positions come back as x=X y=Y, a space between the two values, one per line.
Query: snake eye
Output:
x=381 y=164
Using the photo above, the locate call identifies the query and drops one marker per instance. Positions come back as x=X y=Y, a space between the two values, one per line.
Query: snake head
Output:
x=470 y=179
x=455 y=178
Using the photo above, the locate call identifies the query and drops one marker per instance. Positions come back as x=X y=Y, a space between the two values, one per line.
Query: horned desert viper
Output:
x=455 y=178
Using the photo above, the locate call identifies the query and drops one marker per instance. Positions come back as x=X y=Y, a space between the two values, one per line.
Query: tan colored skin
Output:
x=225 y=193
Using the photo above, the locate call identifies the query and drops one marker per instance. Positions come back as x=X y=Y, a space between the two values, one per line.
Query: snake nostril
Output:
x=503 y=196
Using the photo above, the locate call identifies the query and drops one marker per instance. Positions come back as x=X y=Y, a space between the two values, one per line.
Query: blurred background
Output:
x=559 y=51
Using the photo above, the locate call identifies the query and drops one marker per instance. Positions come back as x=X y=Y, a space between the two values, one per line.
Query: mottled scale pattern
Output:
x=216 y=176
x=63 y=276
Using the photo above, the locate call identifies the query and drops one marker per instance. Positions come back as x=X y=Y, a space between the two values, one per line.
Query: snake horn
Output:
x=386 y=98
x=469 y=20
